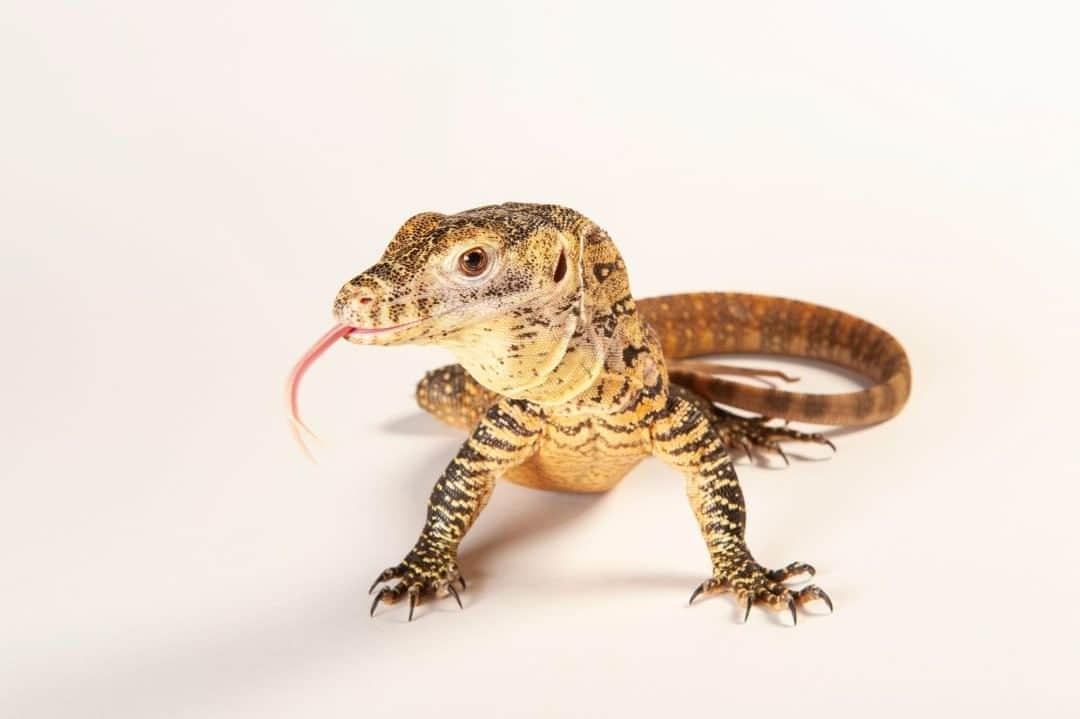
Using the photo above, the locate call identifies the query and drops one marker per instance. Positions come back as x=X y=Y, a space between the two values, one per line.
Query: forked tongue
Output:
x=292 y=385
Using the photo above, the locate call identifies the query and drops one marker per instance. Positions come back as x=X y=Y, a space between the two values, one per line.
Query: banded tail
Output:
x=705 y=323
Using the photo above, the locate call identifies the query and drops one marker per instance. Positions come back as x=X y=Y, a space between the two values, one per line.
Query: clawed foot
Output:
x=753 y=584
x=419 y=576
x=752 y=433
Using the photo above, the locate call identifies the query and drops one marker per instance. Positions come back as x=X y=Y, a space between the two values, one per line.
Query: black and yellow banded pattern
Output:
x=505 y=437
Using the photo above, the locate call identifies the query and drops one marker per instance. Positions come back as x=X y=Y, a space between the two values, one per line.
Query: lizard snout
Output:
x=357 y=306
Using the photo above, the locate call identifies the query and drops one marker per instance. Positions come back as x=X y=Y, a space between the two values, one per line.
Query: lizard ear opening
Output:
x=560 y=266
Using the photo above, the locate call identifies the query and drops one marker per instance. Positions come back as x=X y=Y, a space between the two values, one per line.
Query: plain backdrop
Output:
x=184 y=186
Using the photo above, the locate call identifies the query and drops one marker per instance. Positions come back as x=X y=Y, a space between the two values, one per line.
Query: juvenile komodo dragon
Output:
x=565 y=382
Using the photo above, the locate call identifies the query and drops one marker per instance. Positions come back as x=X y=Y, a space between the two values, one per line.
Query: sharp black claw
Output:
x=783 y=456
x=374 y=604
x=375 y=584
x=815 y=592
x=794 y=614
x=829 y=443
x=412 y=604
x=749 y=605
x=454 y=592
x=462 y=580
x=697 y=592
x=749 y=451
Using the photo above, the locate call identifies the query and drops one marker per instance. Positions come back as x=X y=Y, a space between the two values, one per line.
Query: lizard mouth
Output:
x=292 y=384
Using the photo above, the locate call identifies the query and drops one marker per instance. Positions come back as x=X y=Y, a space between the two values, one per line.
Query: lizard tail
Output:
x=705 y=323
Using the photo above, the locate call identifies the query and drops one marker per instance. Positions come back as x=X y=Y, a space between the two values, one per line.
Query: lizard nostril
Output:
x=364 y=300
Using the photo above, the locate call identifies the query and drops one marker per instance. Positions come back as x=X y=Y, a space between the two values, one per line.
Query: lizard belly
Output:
x=580 y=456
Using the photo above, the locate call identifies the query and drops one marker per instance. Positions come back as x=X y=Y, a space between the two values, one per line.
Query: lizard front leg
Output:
x=686 y=439
x=451 y=395
x=506 y=436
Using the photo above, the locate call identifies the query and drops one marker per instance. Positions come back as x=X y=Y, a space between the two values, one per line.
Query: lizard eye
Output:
x=473 y=261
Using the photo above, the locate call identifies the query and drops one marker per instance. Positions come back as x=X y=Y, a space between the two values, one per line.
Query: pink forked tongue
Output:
x=292 y=385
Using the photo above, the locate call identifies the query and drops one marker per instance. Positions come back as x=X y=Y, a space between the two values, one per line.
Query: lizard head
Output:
x=500 y=286
x=504 y=287
x=442 y=274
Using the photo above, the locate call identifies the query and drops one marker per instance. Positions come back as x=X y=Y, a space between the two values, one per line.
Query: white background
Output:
x=184 y=186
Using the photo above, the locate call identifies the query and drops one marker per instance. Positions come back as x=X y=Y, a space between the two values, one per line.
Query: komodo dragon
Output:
x=565 y=382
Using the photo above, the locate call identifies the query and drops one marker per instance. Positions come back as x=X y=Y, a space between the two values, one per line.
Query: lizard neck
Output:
x=594 y=353
x=545 y=354
x=633 y=369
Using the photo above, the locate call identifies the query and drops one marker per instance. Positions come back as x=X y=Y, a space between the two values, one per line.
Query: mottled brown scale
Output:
x=563 y=380
x=692 y=325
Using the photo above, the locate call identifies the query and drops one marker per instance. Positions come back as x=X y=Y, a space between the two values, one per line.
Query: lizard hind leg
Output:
x=750 y=433
x=452 y=396
x=759 y=433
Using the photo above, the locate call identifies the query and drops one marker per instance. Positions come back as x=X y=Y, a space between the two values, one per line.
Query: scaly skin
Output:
x=563 y=385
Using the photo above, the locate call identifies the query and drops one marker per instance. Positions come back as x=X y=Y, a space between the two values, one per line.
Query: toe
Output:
x=386 y=594
x=811 y=593
x=386 y=576
x=795 y=569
